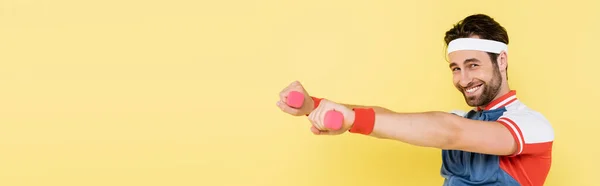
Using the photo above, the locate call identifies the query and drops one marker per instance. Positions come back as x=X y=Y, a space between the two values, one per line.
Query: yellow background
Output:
x=177 y=92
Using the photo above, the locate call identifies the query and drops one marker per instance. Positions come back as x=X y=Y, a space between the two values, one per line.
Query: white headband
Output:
x=477 y=44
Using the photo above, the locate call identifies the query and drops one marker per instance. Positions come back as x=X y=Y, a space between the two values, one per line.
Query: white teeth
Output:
x=471 y=90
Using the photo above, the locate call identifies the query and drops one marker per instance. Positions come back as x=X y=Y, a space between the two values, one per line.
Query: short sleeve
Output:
x=460 y=113
x=531 y=131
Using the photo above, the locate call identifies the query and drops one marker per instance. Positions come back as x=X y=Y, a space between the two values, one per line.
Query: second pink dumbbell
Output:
x=333 y=119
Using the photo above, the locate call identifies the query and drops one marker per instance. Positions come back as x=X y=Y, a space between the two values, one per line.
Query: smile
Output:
x=473 y=89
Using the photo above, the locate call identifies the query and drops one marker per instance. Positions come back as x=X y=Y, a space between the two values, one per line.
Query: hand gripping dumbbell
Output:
x=333 y=119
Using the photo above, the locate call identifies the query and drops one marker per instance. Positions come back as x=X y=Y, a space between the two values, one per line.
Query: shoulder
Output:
x=528 y=119
x=531 y=129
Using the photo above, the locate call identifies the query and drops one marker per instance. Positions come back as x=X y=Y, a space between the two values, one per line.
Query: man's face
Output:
x=475 y=76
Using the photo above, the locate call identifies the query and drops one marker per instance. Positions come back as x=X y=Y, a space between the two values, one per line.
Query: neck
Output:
x=503 y=90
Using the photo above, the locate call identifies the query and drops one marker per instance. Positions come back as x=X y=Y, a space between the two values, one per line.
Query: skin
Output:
x=470 y=69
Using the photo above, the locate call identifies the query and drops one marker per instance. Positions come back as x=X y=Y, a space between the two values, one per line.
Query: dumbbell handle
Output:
x=333 y=119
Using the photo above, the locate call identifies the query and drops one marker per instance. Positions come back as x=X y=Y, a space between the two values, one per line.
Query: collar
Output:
x=500 y=102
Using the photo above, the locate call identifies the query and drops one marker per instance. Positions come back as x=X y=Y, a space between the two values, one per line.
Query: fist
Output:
x=307 y=104
x=317 y=118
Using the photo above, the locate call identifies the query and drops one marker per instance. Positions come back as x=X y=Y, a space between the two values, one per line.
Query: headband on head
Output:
x=477 y=44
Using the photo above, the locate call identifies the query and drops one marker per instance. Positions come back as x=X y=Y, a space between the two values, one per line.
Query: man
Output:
x=499 y=142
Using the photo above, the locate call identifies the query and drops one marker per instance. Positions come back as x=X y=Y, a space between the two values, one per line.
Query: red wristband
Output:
x=364 y=121
x=316 y=102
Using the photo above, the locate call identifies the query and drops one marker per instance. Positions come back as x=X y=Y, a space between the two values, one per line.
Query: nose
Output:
x=465 y=79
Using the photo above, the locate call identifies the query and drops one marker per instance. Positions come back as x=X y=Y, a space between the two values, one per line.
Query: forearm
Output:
x=427 y=129
x=377 y=109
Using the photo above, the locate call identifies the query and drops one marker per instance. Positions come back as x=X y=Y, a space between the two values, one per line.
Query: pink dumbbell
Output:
x=333 y=119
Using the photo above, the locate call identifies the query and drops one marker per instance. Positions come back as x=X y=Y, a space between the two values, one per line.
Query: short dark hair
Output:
x=478 y=25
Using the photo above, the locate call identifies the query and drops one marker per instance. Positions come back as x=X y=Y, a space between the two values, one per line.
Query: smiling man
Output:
x=500 y=141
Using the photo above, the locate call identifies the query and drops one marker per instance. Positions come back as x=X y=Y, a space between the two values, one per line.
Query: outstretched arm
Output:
x=428 y=129
x=445 y=131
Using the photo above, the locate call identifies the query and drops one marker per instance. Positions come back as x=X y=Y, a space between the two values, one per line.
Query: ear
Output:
x=502 y=61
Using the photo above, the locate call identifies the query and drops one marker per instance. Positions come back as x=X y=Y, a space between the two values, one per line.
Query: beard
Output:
x=489 y=90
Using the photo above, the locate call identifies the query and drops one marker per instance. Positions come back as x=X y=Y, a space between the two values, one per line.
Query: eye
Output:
x=455 y=69
x=474 y=65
